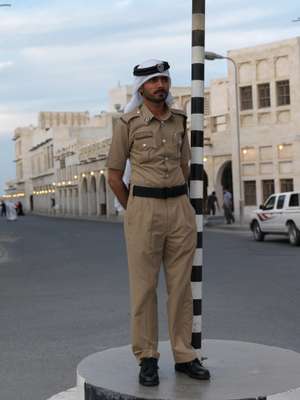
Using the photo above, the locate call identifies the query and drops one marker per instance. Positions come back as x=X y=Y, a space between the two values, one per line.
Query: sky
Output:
x=63 y=55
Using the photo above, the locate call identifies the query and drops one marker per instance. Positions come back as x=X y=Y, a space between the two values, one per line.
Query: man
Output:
x=159 y=219
x=3 y=209
x=227 y=206
x=212 y=203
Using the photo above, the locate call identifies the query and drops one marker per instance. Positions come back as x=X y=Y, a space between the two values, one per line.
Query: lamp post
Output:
x=211 y=56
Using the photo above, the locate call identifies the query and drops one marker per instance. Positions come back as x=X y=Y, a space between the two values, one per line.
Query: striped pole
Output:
x=196 y=177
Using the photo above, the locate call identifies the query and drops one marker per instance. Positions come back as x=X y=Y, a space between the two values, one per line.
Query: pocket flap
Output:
x=143 y=135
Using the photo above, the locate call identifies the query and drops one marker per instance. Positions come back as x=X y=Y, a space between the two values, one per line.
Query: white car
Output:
x=280 y=214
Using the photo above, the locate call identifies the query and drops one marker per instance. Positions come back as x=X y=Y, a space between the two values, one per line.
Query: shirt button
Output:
x=144 y=145
x=162 y=124
x=166 y=175
x=166 y=158
x=164 y=140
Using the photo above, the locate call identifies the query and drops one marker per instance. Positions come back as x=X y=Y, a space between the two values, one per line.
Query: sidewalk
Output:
x=102 y=218
x=218 y=222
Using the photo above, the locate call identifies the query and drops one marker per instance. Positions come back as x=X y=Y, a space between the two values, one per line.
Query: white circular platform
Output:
x=239 y=371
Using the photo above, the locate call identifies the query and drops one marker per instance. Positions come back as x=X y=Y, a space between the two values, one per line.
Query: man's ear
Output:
x=141 y=90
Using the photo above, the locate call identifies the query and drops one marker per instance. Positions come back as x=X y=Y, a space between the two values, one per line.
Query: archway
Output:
x=224 y=180
x=69 y=201
x=102 y=195
x=93 y=196
x=84 y=197
x=31 y=202
x=205 y=185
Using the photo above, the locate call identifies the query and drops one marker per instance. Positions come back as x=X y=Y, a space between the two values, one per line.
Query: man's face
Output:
x=156 y=89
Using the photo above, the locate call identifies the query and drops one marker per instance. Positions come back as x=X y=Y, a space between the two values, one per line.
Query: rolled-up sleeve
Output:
x=119 y=148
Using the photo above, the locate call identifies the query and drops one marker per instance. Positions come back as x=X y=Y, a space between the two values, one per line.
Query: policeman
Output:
x=159 y=220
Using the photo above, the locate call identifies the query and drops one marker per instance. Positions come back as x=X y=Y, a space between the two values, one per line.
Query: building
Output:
x=64 y=157
x=269 y=99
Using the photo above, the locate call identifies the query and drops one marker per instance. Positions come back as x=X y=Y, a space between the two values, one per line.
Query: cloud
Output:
x=10 y=120
x=64 y=57
x=6 y=64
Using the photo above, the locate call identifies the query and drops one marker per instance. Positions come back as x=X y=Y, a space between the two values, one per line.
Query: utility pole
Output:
x=196 y=177
x=236 y=138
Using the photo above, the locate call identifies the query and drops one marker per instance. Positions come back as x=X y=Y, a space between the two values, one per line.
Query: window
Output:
x=269 y=205
x=206 y=104
x=280 y=202
x=286 y=185
x=264 y=99
x=250 y=193
x=283 y=93
x=268 y=188
x=62 y=163
x=294 y=200
x=246 y=98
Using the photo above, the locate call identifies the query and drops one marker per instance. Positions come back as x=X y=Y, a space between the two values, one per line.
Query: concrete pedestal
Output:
x=239 y=370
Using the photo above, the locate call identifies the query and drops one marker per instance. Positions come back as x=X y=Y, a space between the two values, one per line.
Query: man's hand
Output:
x=186 y=171
x=117 y=186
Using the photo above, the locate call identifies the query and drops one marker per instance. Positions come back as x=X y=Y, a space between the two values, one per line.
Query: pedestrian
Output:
x=228 y=206
x=19 y=208
x=11 y=212
x=159 y=220
x=212 y=204
x=3 y=209
x=52 y=206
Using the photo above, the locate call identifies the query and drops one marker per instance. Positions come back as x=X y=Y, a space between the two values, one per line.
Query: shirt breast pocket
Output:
x=144 y=146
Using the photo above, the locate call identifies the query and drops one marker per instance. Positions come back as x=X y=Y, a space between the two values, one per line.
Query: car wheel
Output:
x=258 y=235
x=294 y=234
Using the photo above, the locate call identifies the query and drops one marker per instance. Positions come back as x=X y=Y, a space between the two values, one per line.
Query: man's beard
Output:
x=156 y=99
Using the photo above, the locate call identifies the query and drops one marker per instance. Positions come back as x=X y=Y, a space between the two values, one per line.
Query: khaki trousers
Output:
x=160 y=231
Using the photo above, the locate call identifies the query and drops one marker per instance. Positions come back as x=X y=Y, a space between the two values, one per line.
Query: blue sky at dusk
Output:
x=65 y=55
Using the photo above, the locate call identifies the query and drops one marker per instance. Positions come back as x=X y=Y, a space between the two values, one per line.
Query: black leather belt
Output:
x=159 y=193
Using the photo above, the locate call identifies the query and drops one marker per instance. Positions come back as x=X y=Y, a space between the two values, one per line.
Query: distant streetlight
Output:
x=211 y=56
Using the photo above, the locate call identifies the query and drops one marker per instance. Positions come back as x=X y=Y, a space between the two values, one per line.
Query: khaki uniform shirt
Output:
x=156 y=148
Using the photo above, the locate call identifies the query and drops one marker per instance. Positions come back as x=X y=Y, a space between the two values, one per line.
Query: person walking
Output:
x=3 y=209
x=159 y=220
x=11 y=212
x=212 y=204
x=228 y=207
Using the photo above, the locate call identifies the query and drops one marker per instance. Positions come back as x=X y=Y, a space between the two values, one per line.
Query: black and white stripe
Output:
x=196 y=177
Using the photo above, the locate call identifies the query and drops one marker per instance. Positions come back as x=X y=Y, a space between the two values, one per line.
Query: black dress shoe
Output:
x=194 y=369
x=148 y=374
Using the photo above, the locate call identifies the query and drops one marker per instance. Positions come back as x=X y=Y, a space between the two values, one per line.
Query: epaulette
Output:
x=129 y=116
x=178 y=112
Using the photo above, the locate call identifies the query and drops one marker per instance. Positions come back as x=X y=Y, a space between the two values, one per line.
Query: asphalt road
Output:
x=64 y=295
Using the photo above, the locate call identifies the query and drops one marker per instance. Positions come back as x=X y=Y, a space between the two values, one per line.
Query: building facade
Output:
x=64 y=157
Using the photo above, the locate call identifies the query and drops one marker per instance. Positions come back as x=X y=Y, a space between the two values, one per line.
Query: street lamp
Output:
x=211 y=56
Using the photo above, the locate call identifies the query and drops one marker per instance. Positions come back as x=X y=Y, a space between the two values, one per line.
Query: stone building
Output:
x=66 y=153
x=80 y=175
x=269 y=99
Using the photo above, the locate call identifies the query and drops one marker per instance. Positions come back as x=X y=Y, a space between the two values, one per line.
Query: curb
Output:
x=70 y=394
x=113 y=220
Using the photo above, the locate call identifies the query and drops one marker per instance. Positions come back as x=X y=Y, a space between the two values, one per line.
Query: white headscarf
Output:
x=137 y=99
